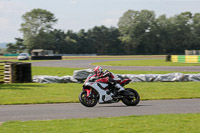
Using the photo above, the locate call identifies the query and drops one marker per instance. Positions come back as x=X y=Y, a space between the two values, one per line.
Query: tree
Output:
x=105 y=40
x=180 y=35
x=195 y=32
x=11 y=48
x=71 y=42
x=163 y=30
x=37 y=21
x=20 y=44
x=135 y=28
x=57 y=41
x=84 y=43
x=18 y=47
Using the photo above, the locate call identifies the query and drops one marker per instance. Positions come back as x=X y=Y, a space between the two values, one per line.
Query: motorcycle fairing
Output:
x=124 y=82
x=103 y=80
x=103 y=96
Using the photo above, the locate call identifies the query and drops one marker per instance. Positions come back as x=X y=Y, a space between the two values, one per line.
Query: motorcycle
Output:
x=106 y=90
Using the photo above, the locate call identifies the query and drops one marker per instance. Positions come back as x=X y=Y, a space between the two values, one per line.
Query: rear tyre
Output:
x=86 y=101
x=133 y=99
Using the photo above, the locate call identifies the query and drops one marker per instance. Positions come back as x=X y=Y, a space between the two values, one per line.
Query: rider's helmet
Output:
x=98 y=70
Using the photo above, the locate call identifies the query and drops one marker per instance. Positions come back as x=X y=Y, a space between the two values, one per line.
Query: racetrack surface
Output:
x=77 y=110
x=87 y=64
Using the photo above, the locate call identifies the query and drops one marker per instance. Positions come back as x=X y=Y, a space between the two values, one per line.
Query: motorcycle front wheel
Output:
x=133 y=99
x=88 y=101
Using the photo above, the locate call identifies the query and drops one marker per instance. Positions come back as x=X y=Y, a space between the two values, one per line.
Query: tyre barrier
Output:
x=15 y=72
x=185 y=58
x=80 y=75
x=2 y=72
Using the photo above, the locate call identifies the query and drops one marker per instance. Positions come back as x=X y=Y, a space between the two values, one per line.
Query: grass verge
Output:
x=165 y=123
x=53 y=71
x=32 y=93
x=63 y=71
x=157 y=62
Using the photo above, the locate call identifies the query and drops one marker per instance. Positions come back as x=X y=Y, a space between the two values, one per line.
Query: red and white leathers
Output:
x=102 y=76
x=105 y=77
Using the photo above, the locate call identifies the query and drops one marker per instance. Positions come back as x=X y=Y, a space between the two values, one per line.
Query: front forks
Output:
x=89 y=92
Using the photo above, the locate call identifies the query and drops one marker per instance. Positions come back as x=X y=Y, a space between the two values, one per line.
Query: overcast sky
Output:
x=84 y=14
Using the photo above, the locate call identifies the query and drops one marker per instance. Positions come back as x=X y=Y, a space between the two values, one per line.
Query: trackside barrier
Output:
x=10 y=54
x=80 y=75
x=15 y=72
x=2 y=72
x=174 y=58
x=185 y=58
x=46 y=57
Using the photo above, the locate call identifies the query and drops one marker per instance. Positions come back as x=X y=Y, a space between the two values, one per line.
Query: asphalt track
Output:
x=76 y=110
x=87 y=64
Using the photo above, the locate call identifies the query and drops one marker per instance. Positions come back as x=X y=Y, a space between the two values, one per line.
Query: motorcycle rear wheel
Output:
x=131 y=101
x=86 y=101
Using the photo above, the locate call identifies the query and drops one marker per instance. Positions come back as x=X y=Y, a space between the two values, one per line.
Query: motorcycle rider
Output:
x=100 y=74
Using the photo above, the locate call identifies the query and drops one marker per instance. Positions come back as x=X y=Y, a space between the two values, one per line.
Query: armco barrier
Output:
x=185 y=58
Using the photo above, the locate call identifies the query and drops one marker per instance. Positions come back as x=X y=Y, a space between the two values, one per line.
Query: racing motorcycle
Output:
x=107 y=90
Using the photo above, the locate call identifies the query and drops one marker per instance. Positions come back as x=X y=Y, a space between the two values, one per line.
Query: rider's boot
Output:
x=119 y=87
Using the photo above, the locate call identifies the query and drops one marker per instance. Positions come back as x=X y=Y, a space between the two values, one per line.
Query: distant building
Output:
x=192 y=52
x=41 y=52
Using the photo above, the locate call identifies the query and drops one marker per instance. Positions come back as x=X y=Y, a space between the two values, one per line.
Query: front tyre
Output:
x=88 y=101
x=132 y=99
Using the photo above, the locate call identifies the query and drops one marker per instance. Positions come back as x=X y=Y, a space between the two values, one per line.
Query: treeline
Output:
x=138 y=32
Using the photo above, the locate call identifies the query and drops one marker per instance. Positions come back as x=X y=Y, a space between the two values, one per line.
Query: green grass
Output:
x=149 y=72
x=157 y=62
x=165 y=123
x=32 y=93
x=63 y=71
x=53 y=71
x=166 y=90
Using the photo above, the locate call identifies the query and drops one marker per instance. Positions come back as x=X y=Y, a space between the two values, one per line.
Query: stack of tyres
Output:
x=9 y=73
x=23 y=73
x=15 y=72
x=2 y=73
